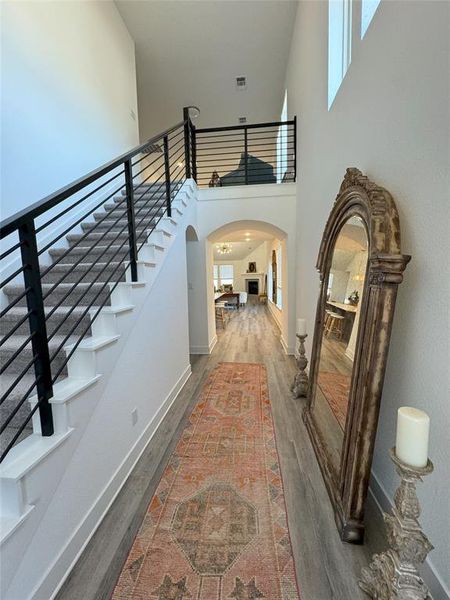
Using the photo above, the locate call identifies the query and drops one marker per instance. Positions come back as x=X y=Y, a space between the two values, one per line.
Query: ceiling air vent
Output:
x=241 y=83
x=242 y=120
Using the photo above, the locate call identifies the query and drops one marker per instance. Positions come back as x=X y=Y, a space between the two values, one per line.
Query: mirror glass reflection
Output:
x=345 y=285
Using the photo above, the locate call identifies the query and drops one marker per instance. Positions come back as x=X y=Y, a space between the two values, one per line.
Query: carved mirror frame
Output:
x=358 y=197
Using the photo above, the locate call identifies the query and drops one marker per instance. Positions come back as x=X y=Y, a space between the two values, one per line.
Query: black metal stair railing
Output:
x=52 y=293
x=62 y=257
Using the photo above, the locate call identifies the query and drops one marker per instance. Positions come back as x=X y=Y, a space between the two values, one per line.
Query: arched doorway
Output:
x=253 y=255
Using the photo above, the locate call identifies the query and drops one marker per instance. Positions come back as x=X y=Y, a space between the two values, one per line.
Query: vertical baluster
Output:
x=167 y=170
x=131 y=219
x=246 y=154
x=38 y=328
x=295 y=148
x=194 y=151
x=187 y=141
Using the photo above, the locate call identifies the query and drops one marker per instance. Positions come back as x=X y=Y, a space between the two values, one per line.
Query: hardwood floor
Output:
x=327 y=569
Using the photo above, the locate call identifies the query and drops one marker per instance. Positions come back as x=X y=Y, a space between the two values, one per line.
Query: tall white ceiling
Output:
x=191 y=51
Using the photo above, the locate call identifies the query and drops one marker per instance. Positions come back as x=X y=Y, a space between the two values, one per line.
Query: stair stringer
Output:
x=22 y=478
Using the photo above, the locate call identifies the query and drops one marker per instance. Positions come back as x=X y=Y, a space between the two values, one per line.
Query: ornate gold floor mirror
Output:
x=360 y=265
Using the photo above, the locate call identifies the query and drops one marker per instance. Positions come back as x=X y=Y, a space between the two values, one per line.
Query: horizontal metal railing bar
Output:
x=11 y=277
x=221 y=135
x=177 y=170
x=175 y=148
x=35 y=210
x=16 y=353
x=95 y=280
x=14 y=302
x=266 y=154
x=143 y=182
x=100 y=291
x=11 y=332
x=22 y=427
x=69 y=208
x=74 y=285
x=159 y=157
x=263 y=167
x=93 y=317
x=247 y=126
x=155 y=191
x=58 y=260
x=178 y=158
x=13 y=413
x=78 y=221
x=154 y=151
x=273 y=143
x=250 y=136
x=85 y=312
x=10 y=250
x=17 y=379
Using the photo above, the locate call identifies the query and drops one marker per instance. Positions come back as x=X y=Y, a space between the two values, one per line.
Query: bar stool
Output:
x=221 y=314
x=327 y=318
x=335 y=324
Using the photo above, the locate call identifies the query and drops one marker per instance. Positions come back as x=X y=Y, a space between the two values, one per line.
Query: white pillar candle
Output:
x=301 y=326
x=413 y=427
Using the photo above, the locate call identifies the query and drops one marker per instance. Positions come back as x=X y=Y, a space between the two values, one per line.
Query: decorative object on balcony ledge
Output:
x=215 y=180
x=224 y=248
x=393 y=574
x=301 y=382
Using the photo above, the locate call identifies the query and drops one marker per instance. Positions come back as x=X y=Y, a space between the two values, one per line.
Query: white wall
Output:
x=390 y=119
x=68 y=83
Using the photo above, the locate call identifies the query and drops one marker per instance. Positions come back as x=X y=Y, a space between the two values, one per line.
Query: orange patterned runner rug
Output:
x=216 y=527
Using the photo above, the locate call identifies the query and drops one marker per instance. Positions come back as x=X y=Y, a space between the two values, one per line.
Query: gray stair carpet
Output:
x=92 y=256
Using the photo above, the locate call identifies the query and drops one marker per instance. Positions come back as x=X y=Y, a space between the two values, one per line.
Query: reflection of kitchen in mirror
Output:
x=344 y=291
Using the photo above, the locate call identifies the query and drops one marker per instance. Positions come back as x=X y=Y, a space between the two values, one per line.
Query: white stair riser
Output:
x=60 y=418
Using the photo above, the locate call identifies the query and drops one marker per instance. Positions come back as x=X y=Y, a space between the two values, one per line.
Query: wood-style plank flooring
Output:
x=327 y=569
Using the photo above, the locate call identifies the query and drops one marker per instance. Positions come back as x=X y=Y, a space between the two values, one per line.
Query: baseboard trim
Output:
x=204 y=349
x=97 y=512
x=384 y=503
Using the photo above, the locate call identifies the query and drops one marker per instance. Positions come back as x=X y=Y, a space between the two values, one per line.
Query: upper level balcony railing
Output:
x=246 y=154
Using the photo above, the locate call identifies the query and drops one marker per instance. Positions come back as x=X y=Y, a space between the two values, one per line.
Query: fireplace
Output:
x=253 y=286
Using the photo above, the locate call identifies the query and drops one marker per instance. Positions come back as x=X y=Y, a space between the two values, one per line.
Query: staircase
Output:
x=104 y=261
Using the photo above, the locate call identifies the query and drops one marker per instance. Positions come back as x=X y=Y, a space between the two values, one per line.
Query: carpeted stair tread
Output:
x=13 y=344
x=82 y=294
x=86 y=272
x=61 y=315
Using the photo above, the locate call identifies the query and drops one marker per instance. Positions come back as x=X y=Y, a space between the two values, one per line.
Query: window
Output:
x=216 y=276
x=339 y=44
x=223 y=275
x=269 y=281
x=368 y=9
x=282 y=143
x=279 y=278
